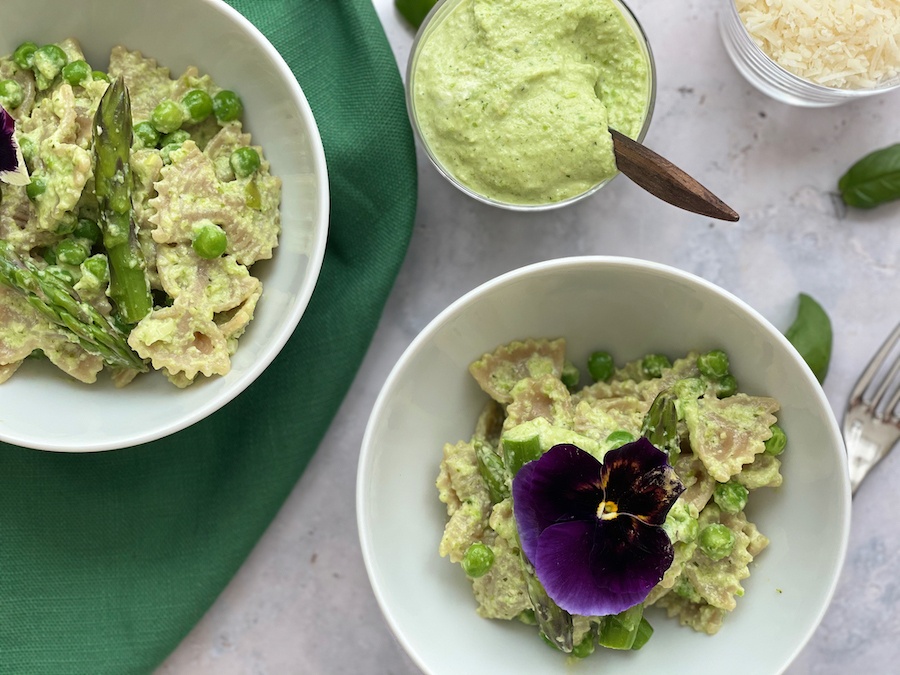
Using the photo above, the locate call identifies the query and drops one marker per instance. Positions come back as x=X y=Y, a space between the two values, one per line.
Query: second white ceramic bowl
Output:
x=630 y=308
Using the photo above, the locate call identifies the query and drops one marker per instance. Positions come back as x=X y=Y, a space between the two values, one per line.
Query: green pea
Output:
x=684 y=589
x=11 y=94
x=227 y=106
x=87 y=229
x=49 y=255
x=527 y=617
x=24 y=55
x=28 y=148
x=776 y=442
x=76 y=72
x=146 y=134
x=601 y=366
x=569 y=375
x=731 y=497
x=66 y=224
x=690 y=530
x=477 y=560
x=209 y=240
x=36 y=187
x=166 y=151
x=584 y=648
x=99 y=75
x=49 y=60
x=653 y=365
x=690 y=388
x=72 y=251
x=716 y=541
x=198 y=105
x=726 y=387
x=176 y=138
x=619 y=438
x=244 y=162
x=714 y=364
x=167 y=116
x=97 y=266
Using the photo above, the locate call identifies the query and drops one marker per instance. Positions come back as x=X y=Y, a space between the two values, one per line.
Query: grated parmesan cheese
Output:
x=845 y=44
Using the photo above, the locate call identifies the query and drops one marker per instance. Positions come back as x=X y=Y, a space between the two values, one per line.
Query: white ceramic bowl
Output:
x=212 y=36
x=630 y=308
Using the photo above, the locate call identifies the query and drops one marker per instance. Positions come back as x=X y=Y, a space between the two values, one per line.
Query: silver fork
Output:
x=872 y=420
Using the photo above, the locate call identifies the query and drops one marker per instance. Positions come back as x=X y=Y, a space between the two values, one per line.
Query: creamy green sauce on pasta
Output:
x=724 y=456
x=203 y=301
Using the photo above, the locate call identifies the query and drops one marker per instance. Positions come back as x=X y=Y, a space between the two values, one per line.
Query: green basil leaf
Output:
x=811 y=335
x=873 y=180
x=414 y=11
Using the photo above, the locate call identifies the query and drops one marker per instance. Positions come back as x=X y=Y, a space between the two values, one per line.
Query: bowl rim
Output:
x=315 y=254
x=366 y=456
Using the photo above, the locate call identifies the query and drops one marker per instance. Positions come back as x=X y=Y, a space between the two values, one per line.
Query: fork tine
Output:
x=890 y=411
x=883 y=387
x=874 y=365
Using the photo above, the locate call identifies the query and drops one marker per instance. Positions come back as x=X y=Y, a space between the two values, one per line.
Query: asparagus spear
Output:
x=554 y=622
x=661 y=424
x=59 y=303
x=128 y=285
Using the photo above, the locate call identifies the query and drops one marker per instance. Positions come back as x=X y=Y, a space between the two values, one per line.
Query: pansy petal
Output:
x=560 y=486
x=601 y=567
x=12 y=165
x=639 y=480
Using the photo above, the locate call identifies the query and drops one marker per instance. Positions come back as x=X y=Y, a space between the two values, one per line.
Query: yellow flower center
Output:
x=607 y=510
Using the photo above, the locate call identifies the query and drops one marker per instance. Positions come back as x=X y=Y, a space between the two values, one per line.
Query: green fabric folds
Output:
x=108 y=560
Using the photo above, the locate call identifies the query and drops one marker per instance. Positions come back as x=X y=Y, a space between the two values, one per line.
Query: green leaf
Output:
x=873 y=180
x=811 y=335
x=414 y=11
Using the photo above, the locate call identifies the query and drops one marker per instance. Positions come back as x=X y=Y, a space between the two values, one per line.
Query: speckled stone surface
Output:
x=302 y=602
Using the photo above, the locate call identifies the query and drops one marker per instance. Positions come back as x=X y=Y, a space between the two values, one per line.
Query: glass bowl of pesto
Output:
x=814 y=54
x=165 y=49
x=413 y=469
x=512 y=100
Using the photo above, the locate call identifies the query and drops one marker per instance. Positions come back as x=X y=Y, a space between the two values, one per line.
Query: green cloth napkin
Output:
x=108 y=560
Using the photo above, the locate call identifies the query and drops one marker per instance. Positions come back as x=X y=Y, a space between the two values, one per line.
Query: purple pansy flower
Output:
x=591 y=529
x=12 y=166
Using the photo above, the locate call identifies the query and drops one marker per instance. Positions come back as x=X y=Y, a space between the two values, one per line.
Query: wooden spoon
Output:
x=661 y=178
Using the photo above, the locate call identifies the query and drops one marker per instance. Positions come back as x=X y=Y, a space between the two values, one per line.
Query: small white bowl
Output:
x=631 y=308
x=761 y=71
x=45 y=409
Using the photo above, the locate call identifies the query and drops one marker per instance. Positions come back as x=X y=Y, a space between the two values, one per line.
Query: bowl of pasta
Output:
x=163 y=217
x=606 y=461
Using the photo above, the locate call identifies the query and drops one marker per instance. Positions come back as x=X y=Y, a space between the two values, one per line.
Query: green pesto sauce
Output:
x=514 y=97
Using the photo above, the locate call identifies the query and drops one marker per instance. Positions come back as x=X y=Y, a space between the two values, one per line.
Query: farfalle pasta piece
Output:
x=189 y=192
x=25 y=330
x=58 y=160
x=215 y=285
x=181 y=341
x=147 y=81
x=498 y=372
x=185 y=339
x=728 y=433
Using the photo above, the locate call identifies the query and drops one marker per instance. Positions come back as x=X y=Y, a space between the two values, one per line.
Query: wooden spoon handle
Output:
x=661 y=178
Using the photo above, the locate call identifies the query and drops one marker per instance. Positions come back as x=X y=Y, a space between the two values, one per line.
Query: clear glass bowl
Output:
x=437 y=14
x=775 y=81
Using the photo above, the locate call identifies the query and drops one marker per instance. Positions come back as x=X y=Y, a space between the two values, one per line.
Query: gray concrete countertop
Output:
x=302 y=601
